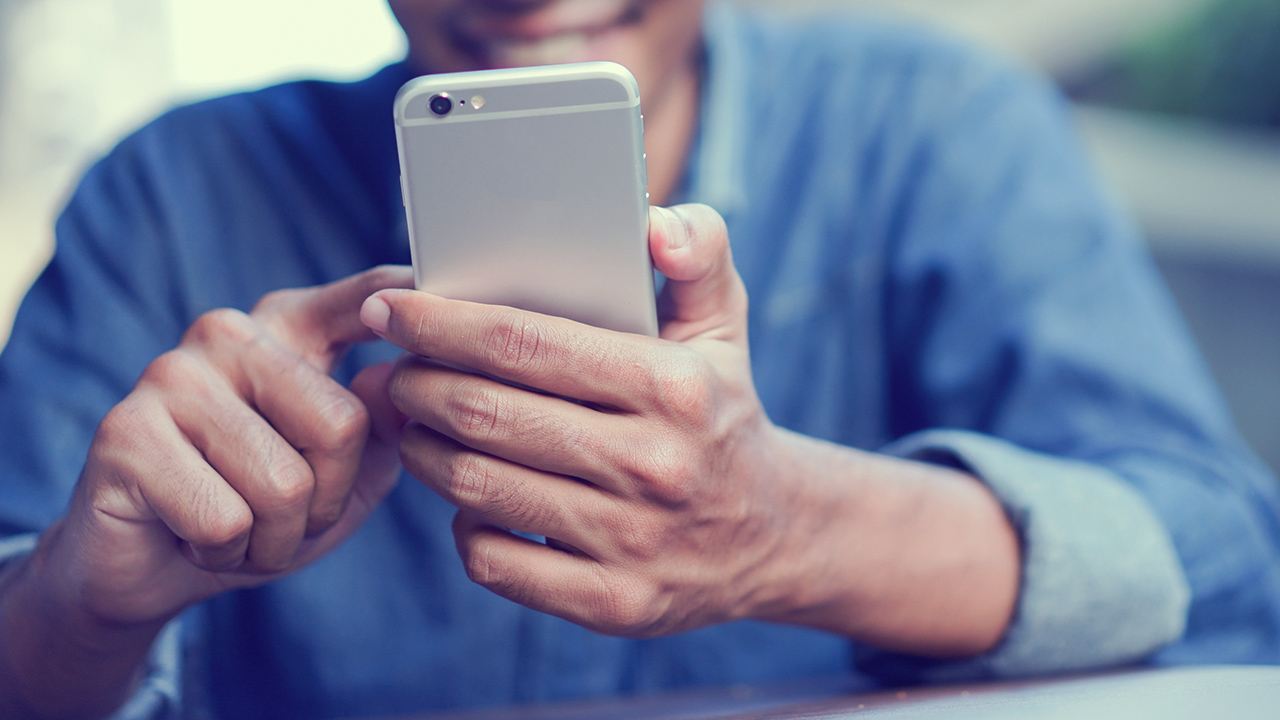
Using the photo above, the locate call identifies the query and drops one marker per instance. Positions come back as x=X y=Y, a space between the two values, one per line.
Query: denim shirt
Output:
x=934 y=273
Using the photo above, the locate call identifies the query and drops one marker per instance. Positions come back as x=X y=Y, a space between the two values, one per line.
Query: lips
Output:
x=556 y=32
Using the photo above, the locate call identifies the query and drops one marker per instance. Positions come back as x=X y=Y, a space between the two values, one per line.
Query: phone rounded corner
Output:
x=620 y=74
x=405 y=95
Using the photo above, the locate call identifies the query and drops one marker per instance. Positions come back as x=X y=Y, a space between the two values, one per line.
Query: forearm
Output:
x=55 y=660
x=906 y=556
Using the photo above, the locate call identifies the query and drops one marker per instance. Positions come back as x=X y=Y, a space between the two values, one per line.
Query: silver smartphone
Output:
x=527 y=187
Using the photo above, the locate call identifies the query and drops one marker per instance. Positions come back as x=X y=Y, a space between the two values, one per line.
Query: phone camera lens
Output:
x=441 y=105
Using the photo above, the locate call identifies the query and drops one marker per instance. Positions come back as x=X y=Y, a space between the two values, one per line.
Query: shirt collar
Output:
x=717 y=178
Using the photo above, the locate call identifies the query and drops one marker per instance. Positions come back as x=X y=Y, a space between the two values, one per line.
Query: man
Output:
x=922 y=248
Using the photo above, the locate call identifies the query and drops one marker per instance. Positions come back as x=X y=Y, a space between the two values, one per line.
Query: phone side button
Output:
x=404 y=193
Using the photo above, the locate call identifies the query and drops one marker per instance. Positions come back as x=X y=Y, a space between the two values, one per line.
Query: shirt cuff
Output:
x=16 y=546
x=158 y=695
x=1102 y=584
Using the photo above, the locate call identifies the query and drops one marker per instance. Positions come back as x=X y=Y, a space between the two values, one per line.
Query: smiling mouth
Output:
x=505 y=44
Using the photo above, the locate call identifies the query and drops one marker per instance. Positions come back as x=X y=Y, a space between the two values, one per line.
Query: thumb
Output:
x=704 y=296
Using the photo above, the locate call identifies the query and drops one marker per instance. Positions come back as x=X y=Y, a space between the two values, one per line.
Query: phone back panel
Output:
x=536 y=200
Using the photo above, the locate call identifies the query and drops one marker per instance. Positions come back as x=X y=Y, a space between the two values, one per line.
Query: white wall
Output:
x=232 y=44
x=76 y=75
x=73 y=75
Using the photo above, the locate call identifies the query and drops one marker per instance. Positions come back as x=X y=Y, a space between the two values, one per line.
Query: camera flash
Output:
x=477 y=101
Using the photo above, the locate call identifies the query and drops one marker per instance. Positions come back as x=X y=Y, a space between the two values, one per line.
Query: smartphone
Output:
x=527 y=187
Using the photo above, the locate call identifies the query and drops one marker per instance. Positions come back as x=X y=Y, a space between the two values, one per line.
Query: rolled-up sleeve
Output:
x=1102 y=584
x=1025 y=312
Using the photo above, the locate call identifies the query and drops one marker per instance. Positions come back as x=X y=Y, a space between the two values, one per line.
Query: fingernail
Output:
x=375 y=313
x=677 y=235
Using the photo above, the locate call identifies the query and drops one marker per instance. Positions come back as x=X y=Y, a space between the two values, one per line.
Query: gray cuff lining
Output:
x=1101 y=582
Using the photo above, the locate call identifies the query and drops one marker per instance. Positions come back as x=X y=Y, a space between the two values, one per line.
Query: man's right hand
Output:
x=235 y=460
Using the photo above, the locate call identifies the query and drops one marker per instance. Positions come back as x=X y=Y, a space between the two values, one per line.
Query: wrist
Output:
x=906 y=556
x=57 y=659
x=817 y=513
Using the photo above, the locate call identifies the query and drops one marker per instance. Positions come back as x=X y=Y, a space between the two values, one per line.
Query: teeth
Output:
x=553 y=49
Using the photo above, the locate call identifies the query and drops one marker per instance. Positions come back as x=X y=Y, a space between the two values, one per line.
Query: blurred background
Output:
x=1178 y=100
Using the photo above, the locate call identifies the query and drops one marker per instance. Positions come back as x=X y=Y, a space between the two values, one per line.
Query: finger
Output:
x=566 y=585
x=379 y=466
x=540 y=351
x=704 y=294
x=178 y=484
x=324 y=421
x=319 y=323
x=506 y=494
x=327 y=424
x=373 y=387
x=540 y=431
x=249 y=454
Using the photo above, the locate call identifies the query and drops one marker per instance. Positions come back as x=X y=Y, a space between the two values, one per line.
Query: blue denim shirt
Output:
x=934 y=272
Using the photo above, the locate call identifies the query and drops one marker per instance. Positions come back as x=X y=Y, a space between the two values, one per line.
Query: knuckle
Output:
x=420 y=332
x=476 y=482
x=478 y=411
x=645 y=377
x=116 y=466
x=476 y=563
x=174 y=369
x=480 y=564
x=224 y=527
x=628 y=608
x=484 y=566
x=684 y=389
x=642 y=542
x=471 y=480
x=289 y=485
x=124 y=424
x=343 y=427
x=665 y=473
x=514 y=586
x=516 y=343
x=222 y=325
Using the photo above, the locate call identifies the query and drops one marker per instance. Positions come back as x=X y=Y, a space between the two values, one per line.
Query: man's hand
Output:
x=236 y=459
x=668 y=498
x=644 y=485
